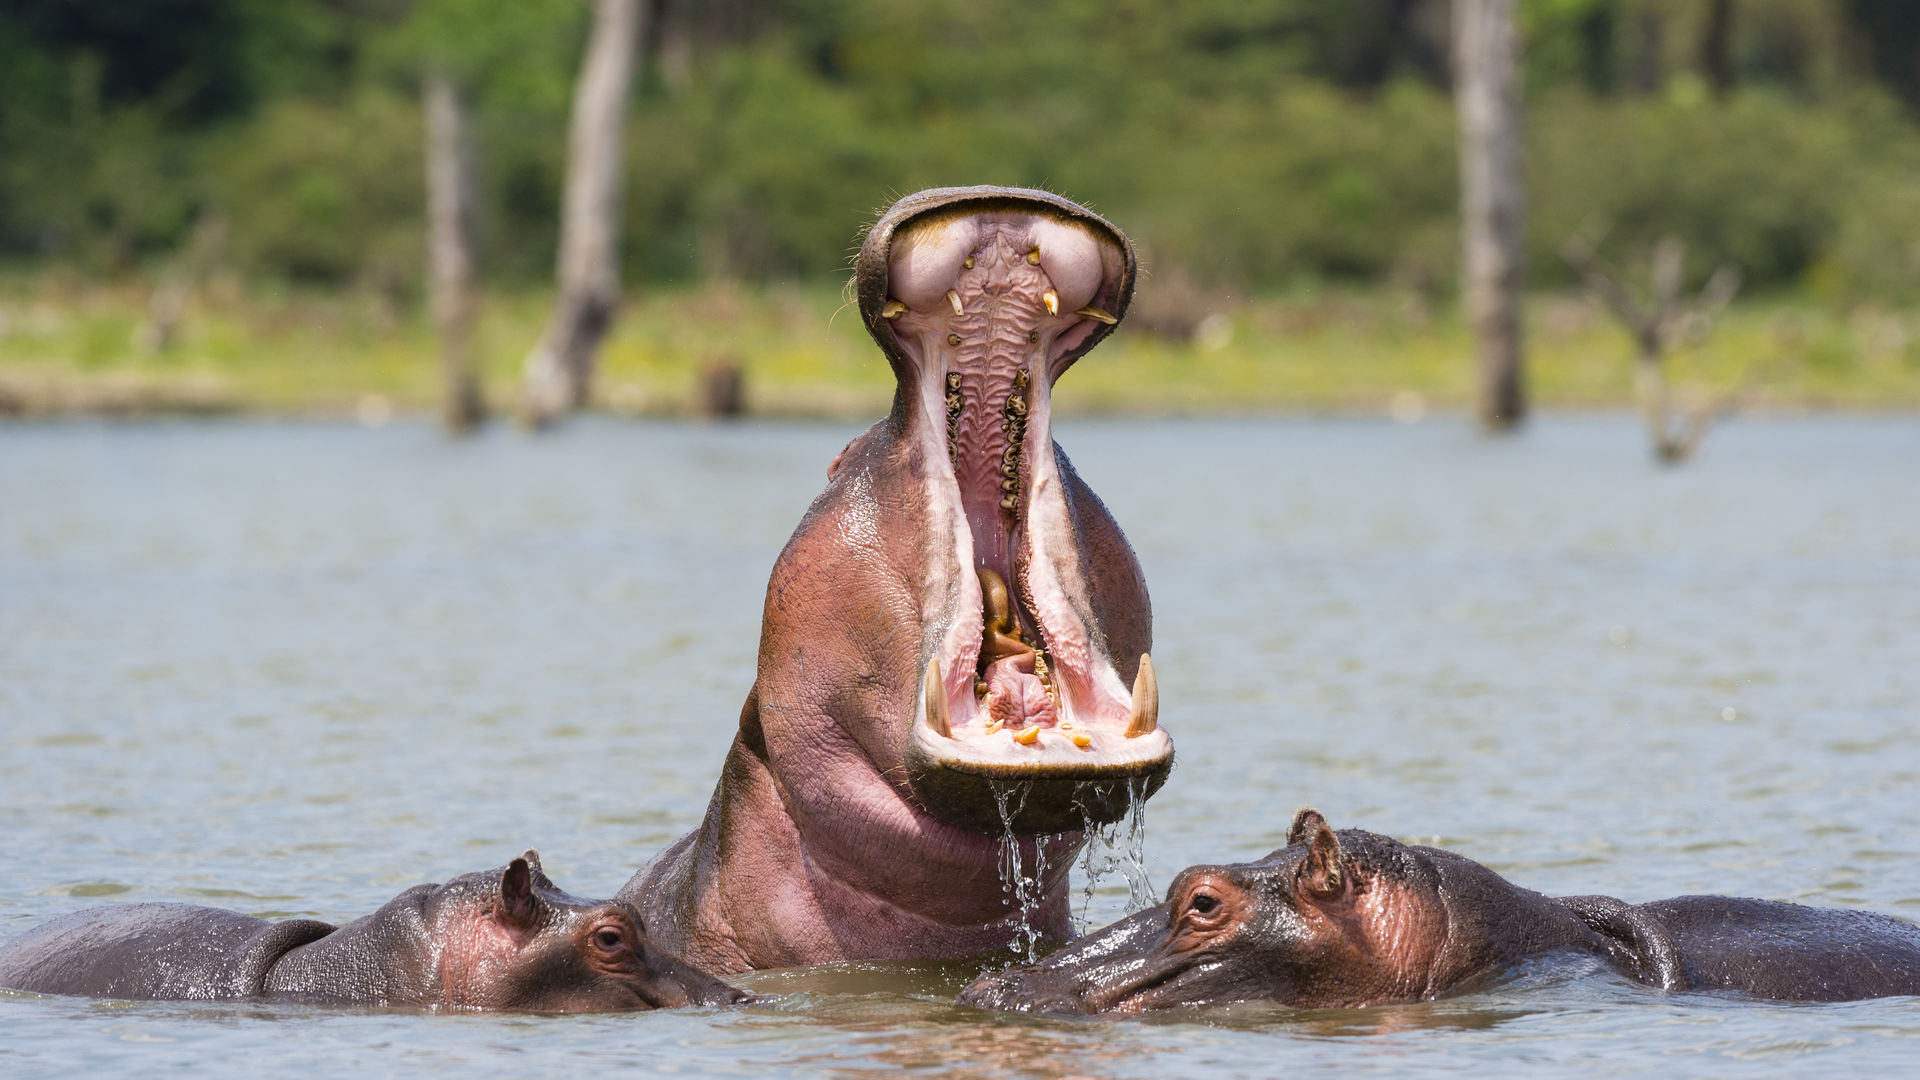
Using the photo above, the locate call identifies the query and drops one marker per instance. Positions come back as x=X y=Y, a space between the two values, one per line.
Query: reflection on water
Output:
x=292 y=669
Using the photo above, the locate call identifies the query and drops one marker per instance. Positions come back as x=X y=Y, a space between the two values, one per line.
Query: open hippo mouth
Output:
x=981 y=298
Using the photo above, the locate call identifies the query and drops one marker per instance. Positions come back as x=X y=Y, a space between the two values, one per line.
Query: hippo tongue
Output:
x=1015 y=695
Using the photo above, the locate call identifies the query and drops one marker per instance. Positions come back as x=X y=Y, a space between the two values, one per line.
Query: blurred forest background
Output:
x=1288 y=168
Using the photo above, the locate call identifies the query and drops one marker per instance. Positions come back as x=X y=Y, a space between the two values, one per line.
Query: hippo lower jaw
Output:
x=987 y=300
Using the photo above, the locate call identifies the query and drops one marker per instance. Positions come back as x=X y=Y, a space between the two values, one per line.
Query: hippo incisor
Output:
x=501 y=939
x=1354 y=918
x=956 y=611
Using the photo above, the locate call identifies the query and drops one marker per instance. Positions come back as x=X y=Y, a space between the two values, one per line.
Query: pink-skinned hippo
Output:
x=505 y=939
x=1351 y=918
x=956 y=613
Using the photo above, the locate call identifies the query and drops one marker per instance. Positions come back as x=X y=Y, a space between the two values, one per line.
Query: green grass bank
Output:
x=75 y=348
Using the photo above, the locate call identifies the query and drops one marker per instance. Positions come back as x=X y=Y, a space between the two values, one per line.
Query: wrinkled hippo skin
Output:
x=956 y=613
x=506 y=939
x=1353 y=918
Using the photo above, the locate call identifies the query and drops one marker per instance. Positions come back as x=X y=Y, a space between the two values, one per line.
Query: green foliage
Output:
x=1246 y=144
x=325 y=192
x=1789 y=192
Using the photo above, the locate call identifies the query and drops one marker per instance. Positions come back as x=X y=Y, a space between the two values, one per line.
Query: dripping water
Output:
x=1022 y=885
x=1115 y=847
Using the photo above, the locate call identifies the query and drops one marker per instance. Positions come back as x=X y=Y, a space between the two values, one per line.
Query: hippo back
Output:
x=152 y=951
x=1789 y=952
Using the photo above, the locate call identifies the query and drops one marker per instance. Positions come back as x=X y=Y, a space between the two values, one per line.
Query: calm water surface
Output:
x=292 y=669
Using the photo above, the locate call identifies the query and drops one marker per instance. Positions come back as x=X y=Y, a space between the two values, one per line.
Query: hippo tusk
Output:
x=936 y=691
x=1146 y=700
x=954 y=299
x=1052 y=300
x=893 y=310
x=1097 y=314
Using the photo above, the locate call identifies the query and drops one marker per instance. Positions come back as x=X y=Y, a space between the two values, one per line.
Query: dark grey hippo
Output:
x=1353 y=918
x=502 y=939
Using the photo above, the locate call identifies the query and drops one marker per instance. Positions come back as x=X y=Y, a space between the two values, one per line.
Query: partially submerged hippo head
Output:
x=1332 y=919
x=505 y=939
x=500 y=939
x=1031 y=661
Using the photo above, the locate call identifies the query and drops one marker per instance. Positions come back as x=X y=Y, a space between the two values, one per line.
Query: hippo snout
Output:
x=1031 y=989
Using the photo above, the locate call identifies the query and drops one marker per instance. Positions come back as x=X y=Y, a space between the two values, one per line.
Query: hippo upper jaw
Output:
x=981 y=298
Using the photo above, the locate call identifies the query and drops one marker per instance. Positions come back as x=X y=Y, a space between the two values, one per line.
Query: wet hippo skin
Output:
x=1352 y=918
x=956 y=611
x=504 y=939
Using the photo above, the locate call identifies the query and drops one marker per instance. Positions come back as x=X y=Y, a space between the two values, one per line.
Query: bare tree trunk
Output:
x=1486 y=93
x=450 y=247
x=559 y=371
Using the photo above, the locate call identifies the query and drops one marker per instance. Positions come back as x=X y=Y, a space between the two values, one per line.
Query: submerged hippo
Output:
x=504 y=939
x=1353 y=918
x=957 y=612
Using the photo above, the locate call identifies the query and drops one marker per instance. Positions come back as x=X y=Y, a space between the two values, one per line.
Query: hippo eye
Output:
x=609 y=938
x=1204 y=904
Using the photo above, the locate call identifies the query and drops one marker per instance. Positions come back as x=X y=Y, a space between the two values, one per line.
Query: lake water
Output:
x=295 y=668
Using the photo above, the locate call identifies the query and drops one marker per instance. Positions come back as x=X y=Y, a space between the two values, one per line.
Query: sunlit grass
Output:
x=67 y=347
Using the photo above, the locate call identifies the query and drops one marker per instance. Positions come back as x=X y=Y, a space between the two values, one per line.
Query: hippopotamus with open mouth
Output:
x=957 y=622
x=1353 y=918
x=504 y=939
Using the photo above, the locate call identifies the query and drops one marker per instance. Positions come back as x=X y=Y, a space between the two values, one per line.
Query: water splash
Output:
x=1116 y=847
x=1023 y=885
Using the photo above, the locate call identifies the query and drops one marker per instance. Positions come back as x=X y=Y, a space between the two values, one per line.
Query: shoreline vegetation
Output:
x=73 y=348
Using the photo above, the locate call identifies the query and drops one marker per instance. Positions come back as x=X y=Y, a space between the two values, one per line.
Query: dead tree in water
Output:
x=451 y=212
x=1659 y=322
x=559 y=371
x=1486 y=93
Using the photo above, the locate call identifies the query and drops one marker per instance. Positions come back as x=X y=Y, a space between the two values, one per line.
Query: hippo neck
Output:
x=378 y=959
x=1493 y=923
x=839 y=896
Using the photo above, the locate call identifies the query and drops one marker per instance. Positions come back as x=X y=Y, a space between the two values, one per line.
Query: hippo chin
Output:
x=954 y=641
x=1352 y=918
x=508 y=939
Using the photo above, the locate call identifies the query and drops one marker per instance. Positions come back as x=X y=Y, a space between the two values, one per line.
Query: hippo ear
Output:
x=1304 y=823
x=540 y=878
x=1320 y=873
x=518 y=908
